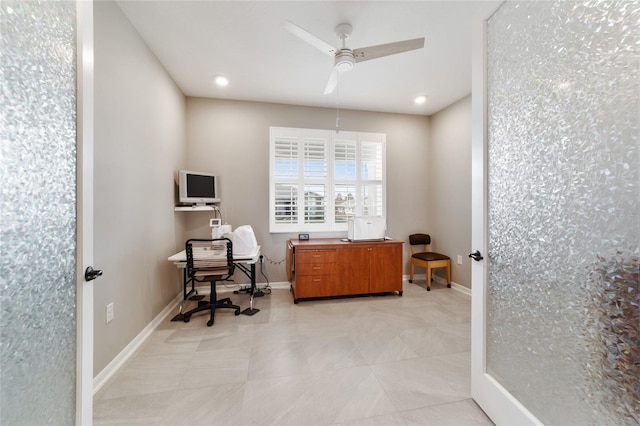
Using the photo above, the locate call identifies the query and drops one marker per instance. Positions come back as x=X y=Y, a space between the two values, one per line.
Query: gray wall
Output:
x=450 y=186
x=231 y=138
x=139 y=143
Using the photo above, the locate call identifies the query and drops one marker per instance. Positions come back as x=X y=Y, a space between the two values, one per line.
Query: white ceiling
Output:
x=246 y=42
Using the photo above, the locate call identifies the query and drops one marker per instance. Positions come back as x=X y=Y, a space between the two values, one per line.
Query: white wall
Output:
x=139 y=143
x=231 y=138
x=450 y=187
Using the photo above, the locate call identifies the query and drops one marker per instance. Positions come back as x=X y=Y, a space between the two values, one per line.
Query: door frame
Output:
x=84 y=206
x=491 y=396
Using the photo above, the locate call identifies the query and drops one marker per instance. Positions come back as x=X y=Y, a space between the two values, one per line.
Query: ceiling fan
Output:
x=346 y=58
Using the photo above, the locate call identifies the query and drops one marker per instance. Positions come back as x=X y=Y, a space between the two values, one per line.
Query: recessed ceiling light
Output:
x=420 y=99
x=222 y=81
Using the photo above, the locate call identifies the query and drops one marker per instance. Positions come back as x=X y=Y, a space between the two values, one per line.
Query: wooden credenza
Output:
x=333 y=267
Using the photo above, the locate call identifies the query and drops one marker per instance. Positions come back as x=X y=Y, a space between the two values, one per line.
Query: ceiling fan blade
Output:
x=319 y=44
x=373 y=52
x=333 y=81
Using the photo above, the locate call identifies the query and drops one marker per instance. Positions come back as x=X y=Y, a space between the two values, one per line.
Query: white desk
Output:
x=245 y=262
x=180 y=259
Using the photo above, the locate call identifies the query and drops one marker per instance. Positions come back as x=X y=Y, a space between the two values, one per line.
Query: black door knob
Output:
x=476 y=256
x=91 y=274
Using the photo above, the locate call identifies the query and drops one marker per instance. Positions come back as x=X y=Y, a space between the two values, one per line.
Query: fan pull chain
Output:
x=338 y=102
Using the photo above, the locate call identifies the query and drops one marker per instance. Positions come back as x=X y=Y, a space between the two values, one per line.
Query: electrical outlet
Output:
x=109 y=312
x=459 y=260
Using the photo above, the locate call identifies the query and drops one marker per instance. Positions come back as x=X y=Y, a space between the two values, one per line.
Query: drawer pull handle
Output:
x=316 y=267
x=316 y=280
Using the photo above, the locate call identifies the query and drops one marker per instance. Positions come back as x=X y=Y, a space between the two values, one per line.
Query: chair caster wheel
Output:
x=410 y=281
x=449 y=285
x=428 y=288
x=237 y=312
x=186 y=319
x=209 y=323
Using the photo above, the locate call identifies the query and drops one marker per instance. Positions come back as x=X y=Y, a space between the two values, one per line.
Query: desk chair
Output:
x=427 y=259
x=210 y=260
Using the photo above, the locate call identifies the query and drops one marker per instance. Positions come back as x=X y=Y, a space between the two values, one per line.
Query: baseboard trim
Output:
x=440 y=280
x=281 y=284
x=112 y=368
x=461 y=288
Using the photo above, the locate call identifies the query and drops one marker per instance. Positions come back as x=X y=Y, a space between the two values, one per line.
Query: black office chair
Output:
x=210 y=260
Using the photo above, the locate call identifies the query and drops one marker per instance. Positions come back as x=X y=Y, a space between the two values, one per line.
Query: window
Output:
x=321 y=178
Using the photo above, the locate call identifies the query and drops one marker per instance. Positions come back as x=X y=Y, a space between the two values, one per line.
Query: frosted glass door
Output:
x=38 y=215
x=561 y=301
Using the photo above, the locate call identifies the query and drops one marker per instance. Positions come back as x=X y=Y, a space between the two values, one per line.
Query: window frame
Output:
x=297 y=137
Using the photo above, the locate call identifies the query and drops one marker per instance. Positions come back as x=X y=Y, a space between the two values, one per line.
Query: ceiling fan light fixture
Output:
x=222 y=81
x=344 y=66
x=344 y=61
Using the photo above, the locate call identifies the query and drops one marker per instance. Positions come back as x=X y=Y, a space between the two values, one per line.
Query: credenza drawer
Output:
x=314 y=285
x=315 y=256
x=316 y=269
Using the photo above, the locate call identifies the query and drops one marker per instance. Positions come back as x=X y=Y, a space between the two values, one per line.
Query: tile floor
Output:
x=382 y=360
